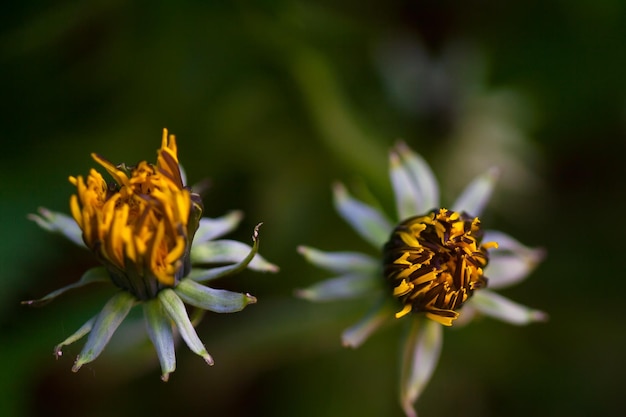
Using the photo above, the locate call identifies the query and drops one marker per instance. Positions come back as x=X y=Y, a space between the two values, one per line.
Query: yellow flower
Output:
x=146 y=230
x=435 y=262
x=139 y=225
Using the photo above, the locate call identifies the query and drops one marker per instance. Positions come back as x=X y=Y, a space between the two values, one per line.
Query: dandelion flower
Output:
x=146 y=229
x=432 y=269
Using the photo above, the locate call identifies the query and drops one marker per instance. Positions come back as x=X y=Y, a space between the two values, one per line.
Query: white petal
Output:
x=340 y=288
x=414 y=183
x=477 y=193
x=341 y=262
x=420 y=357
x=368 y=222
x=501 y=308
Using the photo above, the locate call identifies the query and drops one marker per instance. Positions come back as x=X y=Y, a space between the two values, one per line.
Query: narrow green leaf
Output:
x=57 y=222
x=340 y=288
x=419 y=360
x=204 y=275
x=219 y=301
x=412 y=178
x=161 y=335
x=96 y=274
x=175 y=308
x=501 y=308
x=477 y=193
x=511 y=262
x=357 y=334
x=367 y=221
x=228 y=251
x=211 y=228
x=82 y=331
x=340 y=262
x=107 y=321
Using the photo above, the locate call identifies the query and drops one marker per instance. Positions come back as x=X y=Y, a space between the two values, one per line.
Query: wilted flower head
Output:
x=141 y=227
x=431 y=268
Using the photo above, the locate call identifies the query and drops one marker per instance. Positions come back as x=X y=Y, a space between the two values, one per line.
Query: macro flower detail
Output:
x=436 y=267
x=435 y=262
x=146 y=229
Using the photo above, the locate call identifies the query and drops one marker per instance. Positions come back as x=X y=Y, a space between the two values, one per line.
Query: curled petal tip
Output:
x=209 y=360
x=165 y=377
x=77 y=365
x=57 y=352
x=539 y=255
x=255 y=233
x=494 y=172
x=394 y=159
x=539 y=316
x=401 y=145
x=301 y=293
x=251 y=299
x=339 y=188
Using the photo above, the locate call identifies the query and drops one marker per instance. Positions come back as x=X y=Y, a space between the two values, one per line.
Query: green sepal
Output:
x=96 y=274
x=358 y=333
x=419 y=360
x=219 y=301
x=494 y=305
x=175 y=309
x=204 y=275
x=82 y=331
x=56 y=222
x=228 y=251
x=211 y=228
x=367 y=221
x=160 y=333
x=107 y=322
x=340 y=262
x=340 y=288
x=511 y=261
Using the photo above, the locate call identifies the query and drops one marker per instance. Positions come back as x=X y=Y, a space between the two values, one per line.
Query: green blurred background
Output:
x=273 y=101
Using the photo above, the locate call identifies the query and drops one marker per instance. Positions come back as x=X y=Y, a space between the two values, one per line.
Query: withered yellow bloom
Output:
x=139 y=226
x=145 y=227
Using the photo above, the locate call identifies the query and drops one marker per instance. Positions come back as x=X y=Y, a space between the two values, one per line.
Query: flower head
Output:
x=141 y=227
x=431 y=269
x=435 y=262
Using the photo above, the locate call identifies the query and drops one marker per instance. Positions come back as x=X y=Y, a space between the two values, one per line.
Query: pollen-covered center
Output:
x=435 y=262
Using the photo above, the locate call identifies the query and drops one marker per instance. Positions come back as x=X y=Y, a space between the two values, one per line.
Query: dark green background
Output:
x=275 y=100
